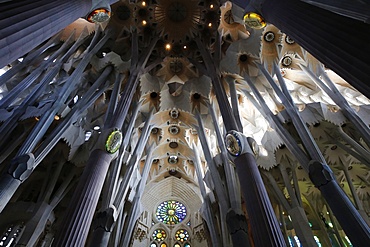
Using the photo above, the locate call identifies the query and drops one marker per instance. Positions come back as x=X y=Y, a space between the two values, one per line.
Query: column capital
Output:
x=237 y=144
x=236 y=222
x=319 y=173
x=106 y=219
x=21 y=167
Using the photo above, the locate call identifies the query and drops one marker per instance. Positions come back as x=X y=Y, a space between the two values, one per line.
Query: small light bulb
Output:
x=185 y=47
x=210 y=24
x=211 y=6
x=168 y=46
x=144 y=22
x=143 y=3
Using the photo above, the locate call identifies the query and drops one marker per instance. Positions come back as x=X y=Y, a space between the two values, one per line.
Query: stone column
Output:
x=349 y=218
x=354 y=9
x=105 y=223
x=77 y=222
x=265 y=228
x=20 y=169
x=266 y=231
x=25 y=24
x=238 y=229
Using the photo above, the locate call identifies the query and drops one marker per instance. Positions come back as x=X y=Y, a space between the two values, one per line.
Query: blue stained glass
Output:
x=171 y=212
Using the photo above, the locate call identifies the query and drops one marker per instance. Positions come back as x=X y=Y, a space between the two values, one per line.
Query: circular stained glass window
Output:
x=182 y=235
x=177 y=245
x=159 y=235
x=153 y=245
x=171 y=212
x=187 y=245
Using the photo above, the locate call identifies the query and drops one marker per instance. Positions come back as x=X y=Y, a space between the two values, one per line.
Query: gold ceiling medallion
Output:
x=254 y=20
x=99 y=16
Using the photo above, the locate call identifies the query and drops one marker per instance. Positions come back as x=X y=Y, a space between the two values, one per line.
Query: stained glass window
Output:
x=153 y=245
x=187 y=245
x=177 y=245
x=171 y=212
x=159 y=234
x=182 y=235
x=164 y=245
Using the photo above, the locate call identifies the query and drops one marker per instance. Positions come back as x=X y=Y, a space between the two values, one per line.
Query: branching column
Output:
x=313 y=28
x=265 y=228
x=76 y=223
x=26 y=24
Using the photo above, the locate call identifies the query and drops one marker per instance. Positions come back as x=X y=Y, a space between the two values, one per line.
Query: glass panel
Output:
x=159 y=234
x=182 y=235
x=171 y=212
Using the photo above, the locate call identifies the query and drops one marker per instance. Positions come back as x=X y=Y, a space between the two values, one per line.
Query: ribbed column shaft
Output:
x=341 y=43
x=8 y=184
x=353 y=9
x=77 y=221
x=25 y=24
x=350 y=219
x=81 y=210
x=265 y=228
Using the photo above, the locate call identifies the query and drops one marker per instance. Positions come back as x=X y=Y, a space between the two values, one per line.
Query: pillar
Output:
x=78 y=218
x=105 y=223
x=238 y=229
x=25 y=24
x=349 y=218
x=265 y=228
x=353 y=9
x=76 y=222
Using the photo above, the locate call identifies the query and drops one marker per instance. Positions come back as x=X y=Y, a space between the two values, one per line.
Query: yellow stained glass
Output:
x=159 y=234
x=254 y=20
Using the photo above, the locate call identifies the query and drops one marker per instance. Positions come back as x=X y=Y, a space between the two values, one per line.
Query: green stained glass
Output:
x=182 y=235
x=171 y=212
